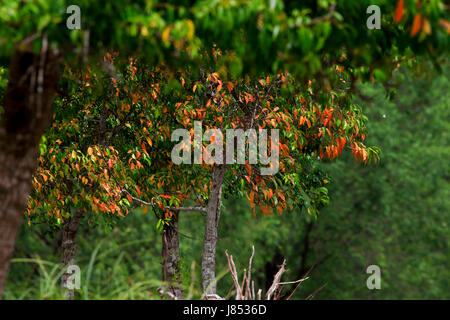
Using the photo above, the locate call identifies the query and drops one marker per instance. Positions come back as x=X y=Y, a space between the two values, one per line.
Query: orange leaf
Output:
x=280 y=209
x=129 y=198
x=249 y=169
x=445 y=24
x=281 y=195
x=399 y=11
x=417 y=24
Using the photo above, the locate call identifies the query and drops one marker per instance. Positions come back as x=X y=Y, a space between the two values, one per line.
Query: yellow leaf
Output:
x=90 y=151
x=426 y=27
x=191 y=29
x=166 y=34
x=145 y=210
x=144 y=31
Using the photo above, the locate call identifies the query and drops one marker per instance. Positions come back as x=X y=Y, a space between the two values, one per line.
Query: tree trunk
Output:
x=27 y=109
x=69 y=248
x=211 y=225
x=171 y=258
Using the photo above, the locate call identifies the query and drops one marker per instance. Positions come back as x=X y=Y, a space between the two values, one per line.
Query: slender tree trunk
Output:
x=69 y=247
x=171 y=258
x=211 y=225
x=27 y=109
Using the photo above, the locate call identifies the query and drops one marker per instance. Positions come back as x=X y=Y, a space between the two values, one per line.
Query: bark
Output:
x=171 y=258
x=211 y=225
x=27 y=109
x=69 y=247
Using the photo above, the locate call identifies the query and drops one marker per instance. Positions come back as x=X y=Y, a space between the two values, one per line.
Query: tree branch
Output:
x=201 y=209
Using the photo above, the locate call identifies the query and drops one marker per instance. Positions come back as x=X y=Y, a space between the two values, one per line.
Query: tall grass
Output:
x=101 y=278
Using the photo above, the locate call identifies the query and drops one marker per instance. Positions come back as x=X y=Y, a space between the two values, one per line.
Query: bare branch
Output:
x=297 y=281
x=248 y=293
x=201 y=209
x=246 y=290
x=213 y=297
x=234 y=275
x=276 y=281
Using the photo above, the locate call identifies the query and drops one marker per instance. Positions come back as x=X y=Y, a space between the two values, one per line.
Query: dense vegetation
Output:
x=90 y=119
x=392 y=214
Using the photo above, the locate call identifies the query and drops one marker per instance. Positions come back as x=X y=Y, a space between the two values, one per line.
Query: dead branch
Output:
x=246 y=290
x=234 y=275
x=276 y=281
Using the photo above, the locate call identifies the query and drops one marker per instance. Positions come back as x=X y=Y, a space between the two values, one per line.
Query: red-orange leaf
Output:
x=129 y=198
x=230 y=86
x=417 y=24
x=399 y=11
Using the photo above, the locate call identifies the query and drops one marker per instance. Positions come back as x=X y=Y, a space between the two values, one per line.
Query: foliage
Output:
x=286 y=65
x=256 y=36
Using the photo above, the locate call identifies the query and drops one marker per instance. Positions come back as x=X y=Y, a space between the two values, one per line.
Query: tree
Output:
x=257 y=37
x=311 y=125
x=85 y=159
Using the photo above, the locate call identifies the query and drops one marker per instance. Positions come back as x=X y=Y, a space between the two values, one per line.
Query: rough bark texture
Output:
x=27 y=109
x=69 y=247
x=171 y=258
x=211 y=225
